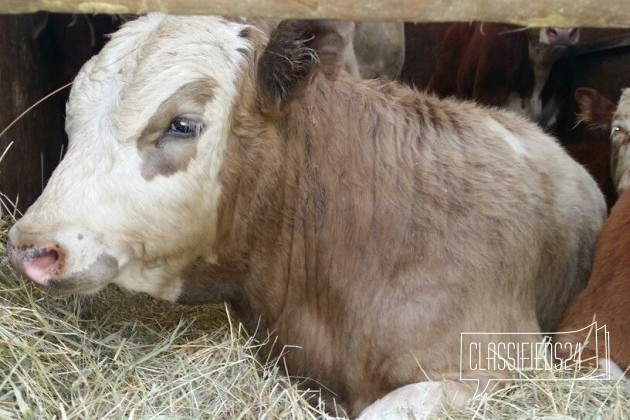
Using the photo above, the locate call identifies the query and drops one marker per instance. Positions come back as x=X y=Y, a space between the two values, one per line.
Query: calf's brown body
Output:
x=369 y=225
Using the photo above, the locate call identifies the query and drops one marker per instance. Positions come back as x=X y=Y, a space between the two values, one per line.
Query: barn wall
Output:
x=38 y=54
x=27 y=73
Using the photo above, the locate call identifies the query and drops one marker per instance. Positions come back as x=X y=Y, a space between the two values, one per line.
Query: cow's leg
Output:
x=418 y=401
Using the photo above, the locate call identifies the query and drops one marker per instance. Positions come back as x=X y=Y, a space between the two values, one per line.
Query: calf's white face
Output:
x=135 y=198
x=620 y=137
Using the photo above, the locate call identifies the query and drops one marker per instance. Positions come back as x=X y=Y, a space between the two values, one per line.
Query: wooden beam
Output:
x=595 y=13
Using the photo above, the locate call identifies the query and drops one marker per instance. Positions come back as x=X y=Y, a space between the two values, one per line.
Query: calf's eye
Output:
x=619 y=135
x=185 y=127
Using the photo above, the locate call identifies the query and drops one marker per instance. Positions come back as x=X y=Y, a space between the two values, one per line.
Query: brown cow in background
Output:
x=607 y=295
x=596 y=112
x=502 y=65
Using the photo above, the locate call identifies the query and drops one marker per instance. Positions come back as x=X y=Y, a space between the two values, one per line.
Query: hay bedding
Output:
x=113 y=356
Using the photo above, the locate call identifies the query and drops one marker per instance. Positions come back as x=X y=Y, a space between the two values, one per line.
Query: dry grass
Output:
x=550 y=395
x=118 y=356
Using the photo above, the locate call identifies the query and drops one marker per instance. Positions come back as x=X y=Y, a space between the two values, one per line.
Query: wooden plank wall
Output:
x=595 y=13
x=38 y=54
x=26 y=75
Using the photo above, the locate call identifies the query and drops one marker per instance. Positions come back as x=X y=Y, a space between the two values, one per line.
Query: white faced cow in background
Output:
x=601 y=114
x=364 y=225
x=502 y=65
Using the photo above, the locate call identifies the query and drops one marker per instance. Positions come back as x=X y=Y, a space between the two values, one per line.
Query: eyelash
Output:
x=184 y=127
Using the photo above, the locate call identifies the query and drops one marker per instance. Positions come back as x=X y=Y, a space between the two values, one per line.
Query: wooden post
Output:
x=26 y=70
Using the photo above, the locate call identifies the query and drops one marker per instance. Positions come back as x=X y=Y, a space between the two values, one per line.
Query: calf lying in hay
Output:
x=360 y=227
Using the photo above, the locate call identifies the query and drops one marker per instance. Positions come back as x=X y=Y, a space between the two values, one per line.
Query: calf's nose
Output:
x=39 y=262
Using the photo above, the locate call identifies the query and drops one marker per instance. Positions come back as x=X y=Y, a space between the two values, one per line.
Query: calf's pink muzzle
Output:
x=39 y=262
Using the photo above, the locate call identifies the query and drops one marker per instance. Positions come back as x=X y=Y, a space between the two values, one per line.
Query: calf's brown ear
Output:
x=296 y=49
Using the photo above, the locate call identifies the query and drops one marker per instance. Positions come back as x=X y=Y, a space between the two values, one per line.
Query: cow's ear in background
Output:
x=596 y=111
x=296 y=49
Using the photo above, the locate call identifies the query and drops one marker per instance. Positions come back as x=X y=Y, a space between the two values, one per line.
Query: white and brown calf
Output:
x=364 y=225
x=601 y=114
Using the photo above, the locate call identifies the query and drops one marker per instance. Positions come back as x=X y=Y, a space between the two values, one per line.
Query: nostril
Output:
x=552 y=33
x=43 y=259
x=40 y=263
